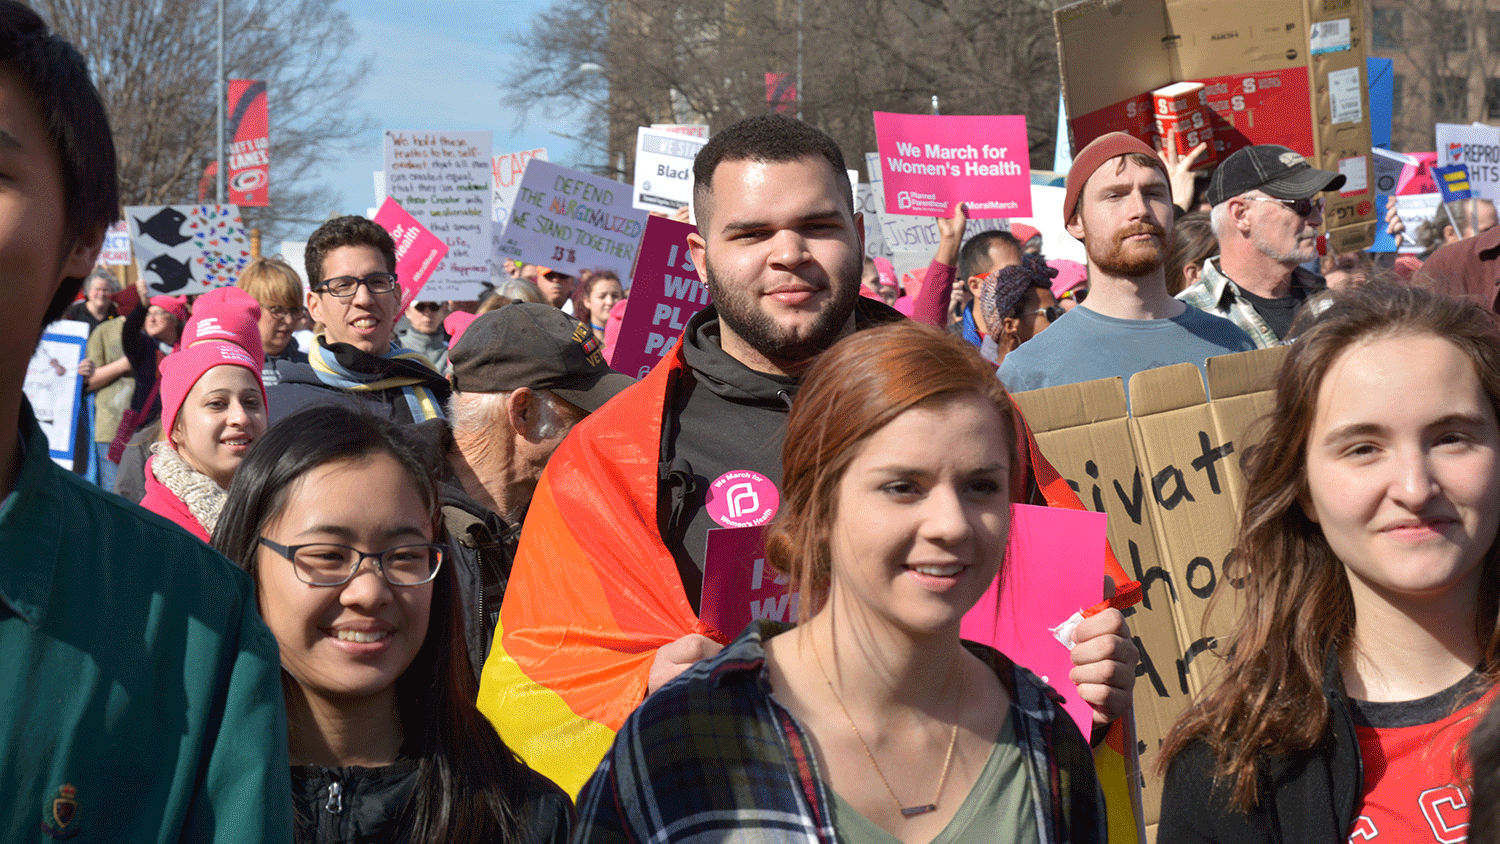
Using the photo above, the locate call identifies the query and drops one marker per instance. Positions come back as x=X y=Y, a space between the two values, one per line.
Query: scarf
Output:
x=341 y=365
x=204 y=498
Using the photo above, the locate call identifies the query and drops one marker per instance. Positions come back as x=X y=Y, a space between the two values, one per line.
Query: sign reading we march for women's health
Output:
x=572 y=221
x=443 y=180
x=931 y=162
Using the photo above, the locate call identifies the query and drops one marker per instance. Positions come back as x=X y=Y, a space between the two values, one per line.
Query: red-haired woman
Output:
x=870 y=720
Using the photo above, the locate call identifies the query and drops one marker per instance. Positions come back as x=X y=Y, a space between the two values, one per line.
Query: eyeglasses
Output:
x=1053 y=312
x=428 y=307
x=1076 y=294
x=345 y=286
x=327 y=564
x=279 y=312
x=1301 y=207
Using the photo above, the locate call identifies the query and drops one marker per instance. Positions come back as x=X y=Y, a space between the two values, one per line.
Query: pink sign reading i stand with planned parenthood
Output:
x=664 y=295
x=418 y=251
x=930 y=162
x=1054 y=567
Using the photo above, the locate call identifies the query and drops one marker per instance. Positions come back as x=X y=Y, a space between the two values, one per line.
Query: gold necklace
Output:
x=906 y=811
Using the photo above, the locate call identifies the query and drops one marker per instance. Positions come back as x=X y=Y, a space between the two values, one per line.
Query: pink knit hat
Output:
x=226 y=313
x=1070 y=274
x=174 y=305
x=456 y=323
x=182 y=369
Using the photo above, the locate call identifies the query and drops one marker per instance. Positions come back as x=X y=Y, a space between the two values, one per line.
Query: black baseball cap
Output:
x=538 y=347
x=1277 y=170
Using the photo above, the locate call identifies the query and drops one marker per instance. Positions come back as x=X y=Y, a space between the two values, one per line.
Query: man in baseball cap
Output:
x=1118 y=201
x=522 y=377
x=1266 y=214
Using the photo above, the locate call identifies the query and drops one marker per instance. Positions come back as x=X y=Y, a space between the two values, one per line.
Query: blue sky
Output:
x=440 y=65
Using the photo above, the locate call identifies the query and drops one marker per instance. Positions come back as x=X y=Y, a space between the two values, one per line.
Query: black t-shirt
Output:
x=1279 y=313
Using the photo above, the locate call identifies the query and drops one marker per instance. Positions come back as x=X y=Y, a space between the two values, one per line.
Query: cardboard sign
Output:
x=1477 y=146
x=443 y=180
x=738 y=586
x=665 y=295
x=1169 y=478
x=931 y=162
x=867 y=202
x=1414 y=210
x=571 y=221
x=184 y=249
x=898 y=233
x=507 y=168
x=664 y=169
x=53 y=386
x=116 y=249
x=1054 y=567
x=418 y=251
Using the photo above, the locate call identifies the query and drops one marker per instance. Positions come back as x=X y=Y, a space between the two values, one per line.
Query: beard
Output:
x=740 y=312
x=1131 y=260
x=1293 y=255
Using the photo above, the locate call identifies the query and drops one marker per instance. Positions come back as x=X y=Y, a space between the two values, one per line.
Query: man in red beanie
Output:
x=1118 y=201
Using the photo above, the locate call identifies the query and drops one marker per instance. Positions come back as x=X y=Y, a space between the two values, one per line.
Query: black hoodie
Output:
x=721 y=416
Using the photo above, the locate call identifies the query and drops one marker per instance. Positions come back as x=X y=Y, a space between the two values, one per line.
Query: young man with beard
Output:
x=604 y=598
x=1266 y=213
x=1118 y=201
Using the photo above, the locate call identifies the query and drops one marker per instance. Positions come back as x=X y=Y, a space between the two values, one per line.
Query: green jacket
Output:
x=140 y=693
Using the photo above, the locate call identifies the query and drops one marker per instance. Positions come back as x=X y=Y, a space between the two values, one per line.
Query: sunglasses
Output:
x=428 y=307
x=1301 y=207
x=1075 y=294
x=1053 y=312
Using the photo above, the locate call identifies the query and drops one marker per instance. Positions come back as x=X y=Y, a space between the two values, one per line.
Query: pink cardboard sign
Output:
x=1054 y=567
x=665 y=292
x=418 y=251
x=931 y=162
x=738 y=586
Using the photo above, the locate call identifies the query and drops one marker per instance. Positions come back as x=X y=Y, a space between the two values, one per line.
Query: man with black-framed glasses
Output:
x=355 y=295
x=1266 y=214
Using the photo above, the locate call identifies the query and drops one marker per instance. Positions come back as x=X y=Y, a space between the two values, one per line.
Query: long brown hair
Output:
x=1297 y=604
x=853 y=390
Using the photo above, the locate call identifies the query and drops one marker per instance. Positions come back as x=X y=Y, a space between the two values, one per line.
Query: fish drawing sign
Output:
x=174 y=274
x=165 y=227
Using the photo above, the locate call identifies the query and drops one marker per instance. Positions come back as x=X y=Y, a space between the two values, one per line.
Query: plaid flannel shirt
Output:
x=712 y=757
x=1215 y=293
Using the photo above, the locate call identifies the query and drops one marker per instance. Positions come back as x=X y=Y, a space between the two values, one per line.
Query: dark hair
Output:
x=974 y=257
x=350 y=230
x=581 y=311
x=1296 y=602
x=58 y=79
x=469 y=781
x=1193 y=242
x=853 y=390
x=1484 y=756
x=771 y=138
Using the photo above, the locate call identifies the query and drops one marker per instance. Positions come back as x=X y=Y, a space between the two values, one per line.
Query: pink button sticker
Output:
x=742 y=498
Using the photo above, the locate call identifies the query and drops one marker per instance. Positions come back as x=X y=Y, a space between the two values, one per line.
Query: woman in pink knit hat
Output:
x=213 y=410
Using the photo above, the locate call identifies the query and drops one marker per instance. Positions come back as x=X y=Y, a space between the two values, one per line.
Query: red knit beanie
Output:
x=1100 y=150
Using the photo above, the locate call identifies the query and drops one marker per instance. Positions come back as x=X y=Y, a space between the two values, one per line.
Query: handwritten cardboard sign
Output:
x=931 y=162
x=1054 y=567
x=571 y=221
x=665 y=295
x=664 y=169
x=899 y=233
x=443 y=180
x=53 y=386
x=418 y=251
x=184 y=249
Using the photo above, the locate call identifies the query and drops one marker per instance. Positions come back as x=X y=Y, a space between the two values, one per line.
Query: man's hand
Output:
x=1104 y=660
x=951 y=235
x=673 y=658
x=1180 y=171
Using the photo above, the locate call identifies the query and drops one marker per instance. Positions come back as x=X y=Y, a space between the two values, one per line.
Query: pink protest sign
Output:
x=930 y=162
x=418 y=251
x=738 y=586
x=664 y=294
x=1054 y=567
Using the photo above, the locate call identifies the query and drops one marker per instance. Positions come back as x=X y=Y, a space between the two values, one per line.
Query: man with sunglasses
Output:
x=355 y=295
x=1266 y=214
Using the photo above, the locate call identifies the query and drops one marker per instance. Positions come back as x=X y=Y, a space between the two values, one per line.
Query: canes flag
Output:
x=249 y=143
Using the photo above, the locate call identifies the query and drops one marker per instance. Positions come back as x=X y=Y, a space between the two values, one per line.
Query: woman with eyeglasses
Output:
x=275 y=285
x=336 y=520
x=1017 y=303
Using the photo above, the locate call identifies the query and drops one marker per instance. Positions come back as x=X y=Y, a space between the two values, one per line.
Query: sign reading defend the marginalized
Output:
x=572 y=221
x=931 y=162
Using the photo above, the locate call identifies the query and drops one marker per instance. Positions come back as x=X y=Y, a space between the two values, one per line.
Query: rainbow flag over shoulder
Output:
x=594 y=592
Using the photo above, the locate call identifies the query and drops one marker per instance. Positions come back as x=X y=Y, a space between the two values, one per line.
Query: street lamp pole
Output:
x=219 y=115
